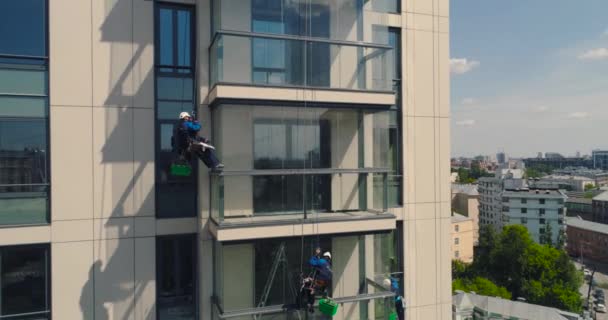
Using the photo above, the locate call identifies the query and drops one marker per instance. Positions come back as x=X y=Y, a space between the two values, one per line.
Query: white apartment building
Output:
x=490 y=189
x=332 y=118
x=537 y=209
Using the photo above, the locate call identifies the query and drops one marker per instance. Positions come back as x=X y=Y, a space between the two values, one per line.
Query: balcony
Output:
x=247 y=65
x=293 y=202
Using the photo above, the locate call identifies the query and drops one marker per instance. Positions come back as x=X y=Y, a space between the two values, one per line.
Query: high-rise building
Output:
x=600 y=159
x=501 y=158
x=305 y=103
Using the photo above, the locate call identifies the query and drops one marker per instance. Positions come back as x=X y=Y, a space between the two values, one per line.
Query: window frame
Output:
x=29 y=62
x=161 y=71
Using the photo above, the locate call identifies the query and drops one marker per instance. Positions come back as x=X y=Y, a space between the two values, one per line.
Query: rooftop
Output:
x=601 y=197
x=470 y=189
x=456 y=218
x=553 y=193
x=587 y=225
x=509 y=309
x=565 y=177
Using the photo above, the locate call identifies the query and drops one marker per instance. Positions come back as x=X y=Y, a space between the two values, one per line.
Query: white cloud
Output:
x=466 y=123
x=467 y=101
x=605 y=34
x=579 y=115
x=461 y=66
x=594 y=54
x=541 y=109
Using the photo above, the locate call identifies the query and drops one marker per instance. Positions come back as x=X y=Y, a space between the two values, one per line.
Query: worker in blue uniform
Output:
x=186 y=142
x=321 y=277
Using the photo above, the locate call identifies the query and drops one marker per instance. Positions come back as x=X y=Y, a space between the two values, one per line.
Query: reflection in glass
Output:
x=176 y=267
x=242 y=271
x=23 y=27
x=25 y=281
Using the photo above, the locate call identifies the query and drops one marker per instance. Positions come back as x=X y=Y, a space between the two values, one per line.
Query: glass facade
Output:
x=299 y=43
x=24 y=154
x=176 y=261
x=310 y=145
x=267 y=272
x=25 y=282
x=175 y=195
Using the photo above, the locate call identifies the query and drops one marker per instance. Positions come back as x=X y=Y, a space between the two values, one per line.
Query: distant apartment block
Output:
x=600 y=177
x=465 y=201
x=565 y=182
x=537 y=209
x=599 y=205
x=587 y=239
x=557 y=162
x=463 y=234
x=600 y=159
x=579 y=204
x=490 y=189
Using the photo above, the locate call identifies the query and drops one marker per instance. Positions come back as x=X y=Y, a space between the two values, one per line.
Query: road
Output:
x=599 y=276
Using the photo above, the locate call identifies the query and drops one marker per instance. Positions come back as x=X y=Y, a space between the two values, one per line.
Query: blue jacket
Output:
x=322 y=266
x=184 y=132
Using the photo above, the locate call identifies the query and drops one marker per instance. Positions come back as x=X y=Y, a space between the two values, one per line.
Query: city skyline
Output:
x=517 y=86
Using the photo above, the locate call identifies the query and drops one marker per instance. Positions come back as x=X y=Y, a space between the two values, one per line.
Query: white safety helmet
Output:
x=184 y=115
x=327 y=254
x=387 y=283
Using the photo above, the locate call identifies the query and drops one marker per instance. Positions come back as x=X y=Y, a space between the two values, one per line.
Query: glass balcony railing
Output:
x=294 y=61
x=290 y=195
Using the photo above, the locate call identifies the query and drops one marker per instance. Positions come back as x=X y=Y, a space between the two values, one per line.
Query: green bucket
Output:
x=328 y=307
x=392 y=316
x=181 y=170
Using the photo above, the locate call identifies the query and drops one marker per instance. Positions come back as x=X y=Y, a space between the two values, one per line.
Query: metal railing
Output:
x=297 y=193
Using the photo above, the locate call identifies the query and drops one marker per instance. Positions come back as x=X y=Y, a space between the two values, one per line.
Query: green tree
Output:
x=481 y=286
x=589 y=186
x=540 y=273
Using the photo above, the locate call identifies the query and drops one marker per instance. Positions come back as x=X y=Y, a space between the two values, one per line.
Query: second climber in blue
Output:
x=318 y=283
x=186 y=142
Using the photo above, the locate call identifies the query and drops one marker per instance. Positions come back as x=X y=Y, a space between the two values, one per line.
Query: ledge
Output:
x=236 y=229
x=229 y=91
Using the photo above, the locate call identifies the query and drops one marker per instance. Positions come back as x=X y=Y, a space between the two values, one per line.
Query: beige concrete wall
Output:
x=426 y=126
x=103 y=227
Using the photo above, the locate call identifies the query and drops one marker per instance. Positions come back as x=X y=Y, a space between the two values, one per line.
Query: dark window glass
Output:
x=176 y=196
x=24 y=277
x=176 y=277
x=541 y=201
x=524 y=210
x=23 y=27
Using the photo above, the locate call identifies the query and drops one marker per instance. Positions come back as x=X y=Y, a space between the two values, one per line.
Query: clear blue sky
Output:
x=535 y=76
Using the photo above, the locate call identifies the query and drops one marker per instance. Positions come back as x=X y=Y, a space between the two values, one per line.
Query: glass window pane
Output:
x=28 y=107
x=23 y=164
x=174 y=88
x=165 y=28
x=22 y=81
x=23 y=27
x=183 y=38
x=168 y=110
x=24 y=280
x=176 y=263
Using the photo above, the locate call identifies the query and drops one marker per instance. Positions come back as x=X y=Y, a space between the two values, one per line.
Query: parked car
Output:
x=600 y=308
